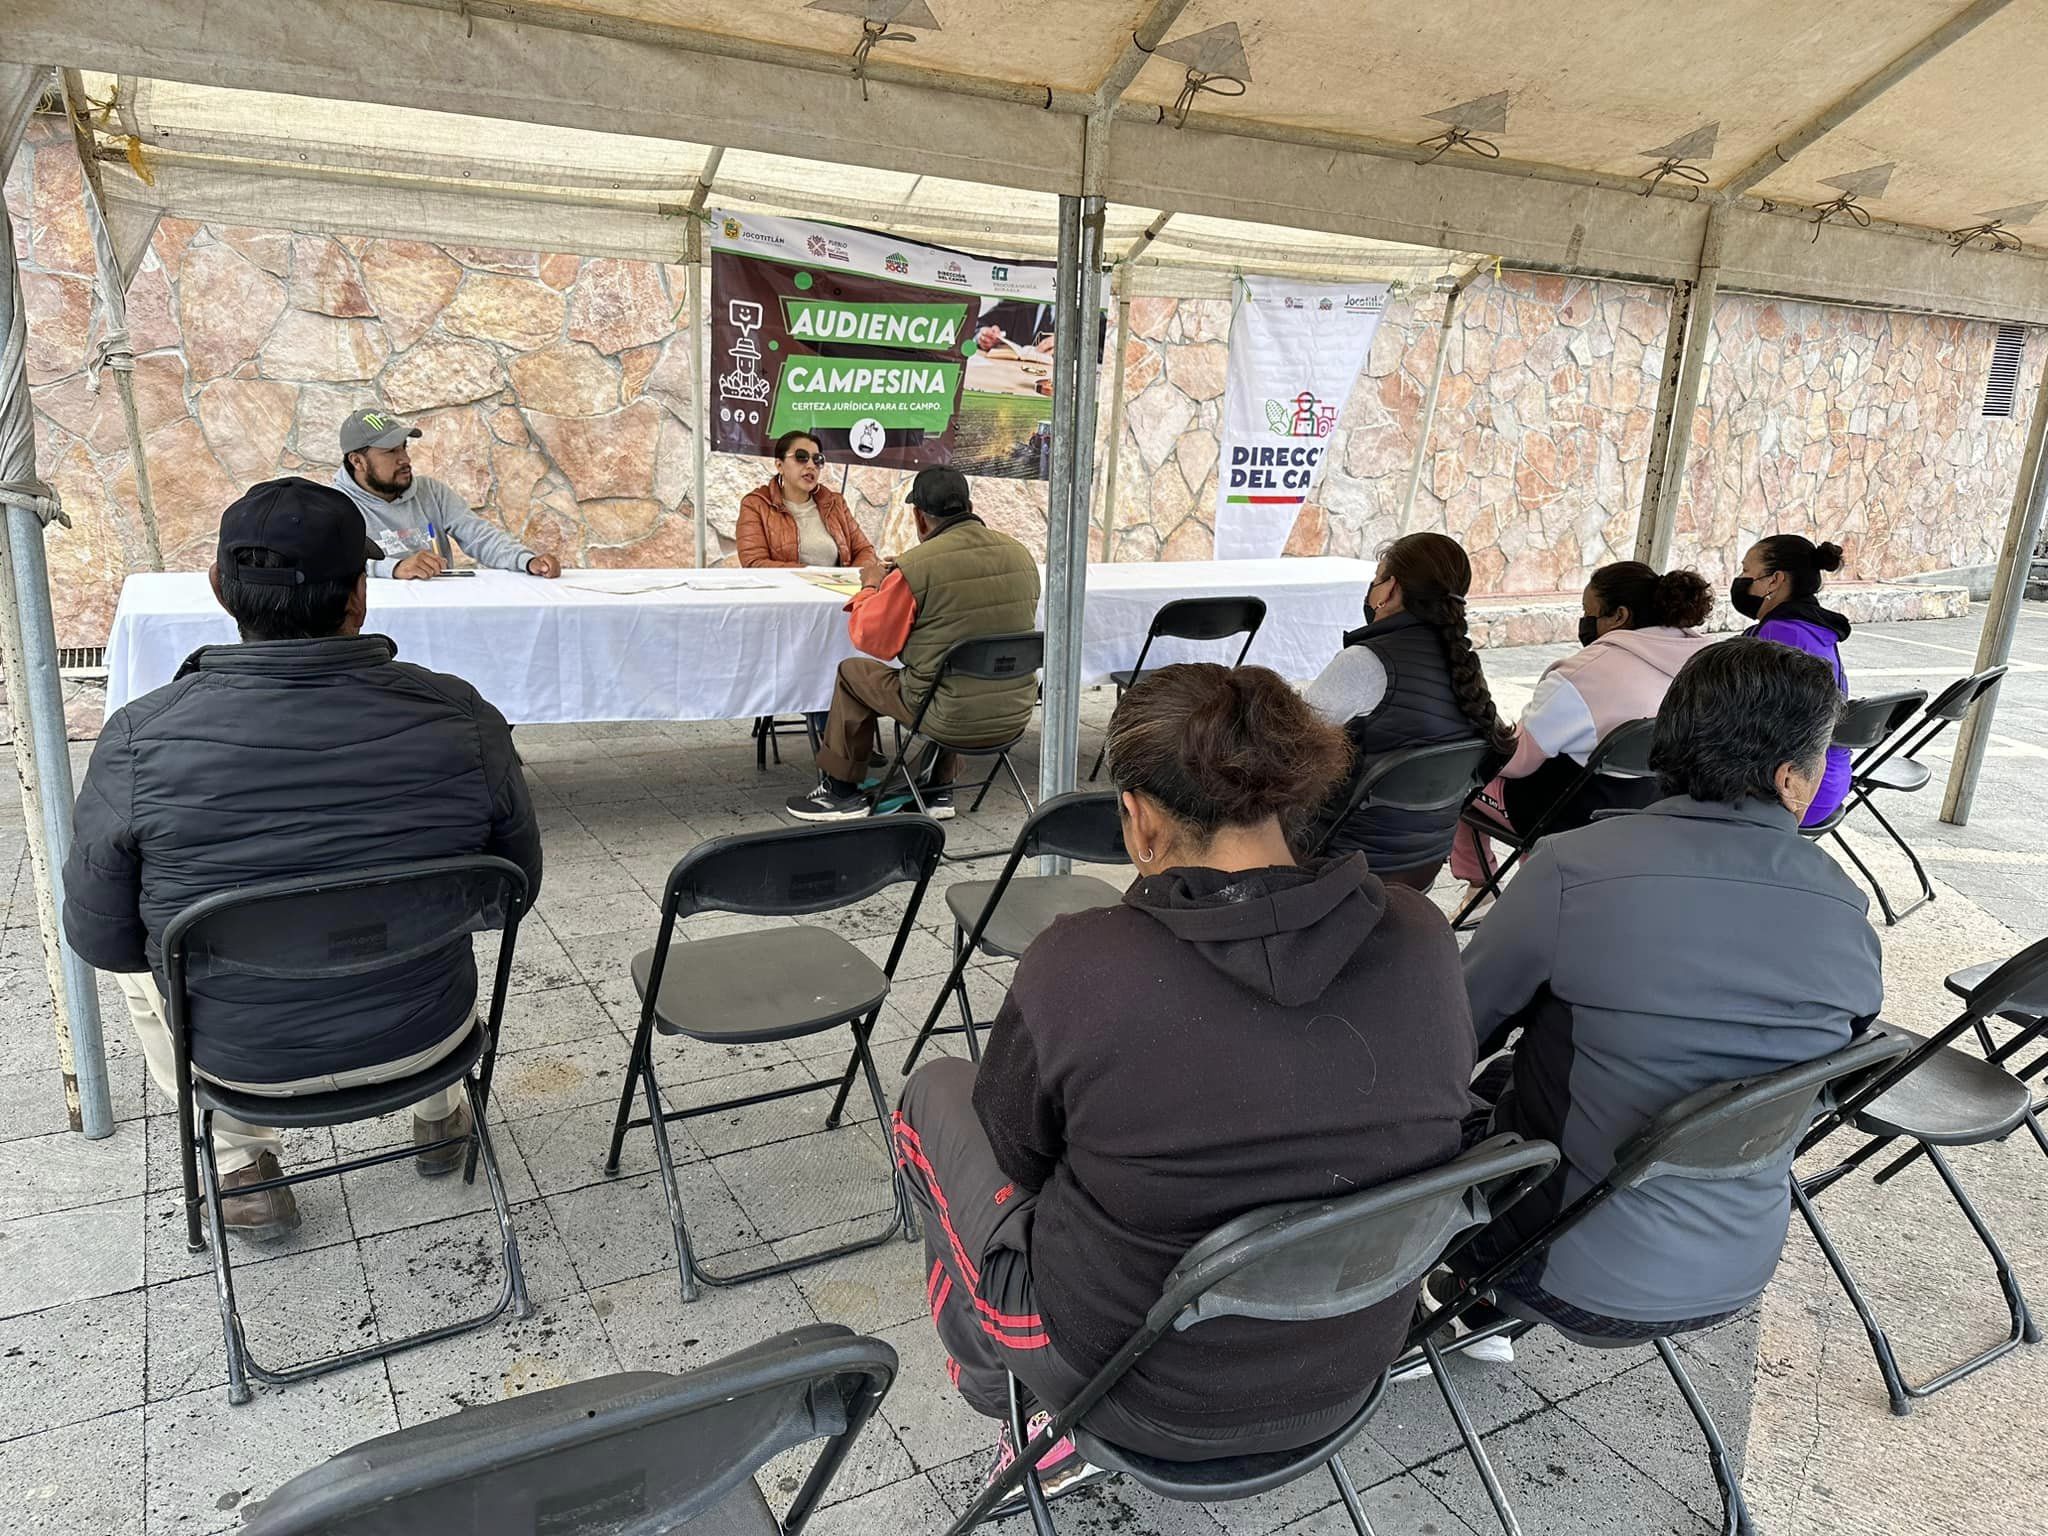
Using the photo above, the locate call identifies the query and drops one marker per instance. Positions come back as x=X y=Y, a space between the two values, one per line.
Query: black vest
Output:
x=1420 y=709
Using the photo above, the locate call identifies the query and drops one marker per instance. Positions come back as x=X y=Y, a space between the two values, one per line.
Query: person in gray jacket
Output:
x=306 y=749
x=416 y=515
x=1655 y=953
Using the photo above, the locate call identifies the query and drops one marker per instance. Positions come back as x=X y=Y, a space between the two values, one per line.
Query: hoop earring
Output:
x=1146 y=856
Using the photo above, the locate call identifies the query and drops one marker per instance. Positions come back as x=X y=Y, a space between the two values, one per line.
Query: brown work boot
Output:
x=442 y=1160
x=262 y=1217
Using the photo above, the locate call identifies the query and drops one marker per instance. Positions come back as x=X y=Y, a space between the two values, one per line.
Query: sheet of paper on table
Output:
x=634 y=583
x=841 y=582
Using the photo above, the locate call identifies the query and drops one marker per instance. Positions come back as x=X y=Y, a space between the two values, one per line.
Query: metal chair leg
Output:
x=1488 y=1478
x=956 y=977
x=1034 y=1494
x=686 y=1262
x=1880 y=1346
x=1345 y=1491
x=760 y=743
x=223 y=1273
x=1735 y=1519
x=1884 y=900
x=508 y=1235
x=1022 y=793
x=1919 y=870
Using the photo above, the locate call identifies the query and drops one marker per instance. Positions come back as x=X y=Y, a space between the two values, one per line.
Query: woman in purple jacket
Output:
x=1780 y=588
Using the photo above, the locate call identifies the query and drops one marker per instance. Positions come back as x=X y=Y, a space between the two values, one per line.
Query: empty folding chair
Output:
x=1623 y=753
x=1302 y=1262
x=2028 y=1009
x=1731 y=1130
x=1002 y=916
x=992 y=658
x=769 y=731
x=1192 y=618
x=318 y=929
x=1937 y=1096
x=635 y=1451
x=1895 y=766
x=1414 y=779
x=1869 y=728
x=779 y=983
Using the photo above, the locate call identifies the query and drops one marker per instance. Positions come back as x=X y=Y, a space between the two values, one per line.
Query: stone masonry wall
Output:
x=554 y=392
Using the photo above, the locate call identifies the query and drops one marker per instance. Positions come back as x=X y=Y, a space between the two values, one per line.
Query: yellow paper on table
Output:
x=832 y=581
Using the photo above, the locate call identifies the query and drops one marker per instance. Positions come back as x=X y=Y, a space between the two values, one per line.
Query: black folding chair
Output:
x=774 y=984
x=1297 y=1263
x=1937 y=1096
x=1726 y=1131
x=992 y=658
x=320 y=929
x=1623 y=753
x=1895 y=766
x=769 y=731
x=635 y=1451
x=1869 y=728
x=1002 y=916
x=1191 y=618
x=2027 y=1009
x=1433 y=778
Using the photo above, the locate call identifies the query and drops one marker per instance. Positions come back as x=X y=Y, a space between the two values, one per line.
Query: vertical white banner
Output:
x=1295 y=352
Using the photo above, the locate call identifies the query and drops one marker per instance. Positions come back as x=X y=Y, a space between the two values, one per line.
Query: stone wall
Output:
x=554 y=392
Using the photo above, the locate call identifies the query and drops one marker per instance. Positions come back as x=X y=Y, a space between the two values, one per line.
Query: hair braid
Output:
x=1445 y=613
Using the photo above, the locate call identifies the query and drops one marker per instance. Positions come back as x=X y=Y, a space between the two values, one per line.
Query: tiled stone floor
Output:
x=113 y=1418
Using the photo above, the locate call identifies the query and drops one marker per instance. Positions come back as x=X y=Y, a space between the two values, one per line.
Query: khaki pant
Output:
x=865 y=692
x=236 y=1144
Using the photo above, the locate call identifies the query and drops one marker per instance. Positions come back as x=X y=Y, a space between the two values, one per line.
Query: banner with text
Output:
x=888 y=352
x=1294 y=354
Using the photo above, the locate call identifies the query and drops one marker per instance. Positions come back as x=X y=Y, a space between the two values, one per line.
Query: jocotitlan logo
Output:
x=731 y=228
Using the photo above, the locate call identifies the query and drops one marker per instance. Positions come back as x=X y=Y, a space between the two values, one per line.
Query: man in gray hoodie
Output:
x=414 y=516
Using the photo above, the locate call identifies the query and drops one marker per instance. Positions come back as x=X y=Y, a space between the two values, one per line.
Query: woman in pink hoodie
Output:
x=1636 y=632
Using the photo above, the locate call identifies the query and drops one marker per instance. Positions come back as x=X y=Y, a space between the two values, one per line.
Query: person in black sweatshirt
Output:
x=1240 y=1031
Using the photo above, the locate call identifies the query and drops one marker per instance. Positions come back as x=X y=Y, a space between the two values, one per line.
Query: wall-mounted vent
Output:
x=82 y=661
x=2001 y=390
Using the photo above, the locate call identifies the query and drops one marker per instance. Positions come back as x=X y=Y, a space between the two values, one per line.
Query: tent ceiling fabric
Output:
x=598 y=111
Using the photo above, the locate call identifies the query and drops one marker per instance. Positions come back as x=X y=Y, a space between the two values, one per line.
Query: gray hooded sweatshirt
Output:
x=399 y=527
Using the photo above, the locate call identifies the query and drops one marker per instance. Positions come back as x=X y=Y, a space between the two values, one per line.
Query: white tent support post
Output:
x=1116 y=422
x=28 y=654
x=1436 y=378
x=118 y=355
x=700 y=338
x=1077 y=306
x=1678 y=393
x=2002 y=617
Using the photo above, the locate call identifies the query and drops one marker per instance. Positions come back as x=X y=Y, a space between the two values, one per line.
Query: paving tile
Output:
x=911 y=1505
x=303 y=1147
x=424 y=1277
x=757 y=1125
x=576 y=917
x=294 y=1308
x=35 y=1099
x=576 y=879
x=928 y=1415
x=1280 y=1509
x=797 y=1186
x=393 y=1195
x=652 y=1329
x=1413 y=1425
x=1401 y=1506
x=71 y=1363
x=323 y=1222
x=82 y=1480
x=877 y=1460
x=66 y=1256
x=553 y=1017
x=208 y=1460
x=620 y=1228
x=548 y=1077
x=565 y=1149
x=563 y=1342
x=55 y=1172
x=867 y=1291
x=1640 y=1416
x=539 y=962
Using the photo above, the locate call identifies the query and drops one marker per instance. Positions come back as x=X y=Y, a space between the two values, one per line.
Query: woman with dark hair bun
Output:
x=1780 y=588
x=1409 y=678
x=1636 y=629
x=1241 y=1030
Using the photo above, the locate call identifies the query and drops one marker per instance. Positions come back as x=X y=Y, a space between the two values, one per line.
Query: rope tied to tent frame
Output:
x=1993 y=233
x=1196 y=83
x=1456 y=138
x=1845 y=206
x=1679 y=169
x=36 y=497
x=871 y=33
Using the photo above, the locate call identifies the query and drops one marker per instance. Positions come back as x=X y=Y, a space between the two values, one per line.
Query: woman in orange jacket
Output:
x=794 y=521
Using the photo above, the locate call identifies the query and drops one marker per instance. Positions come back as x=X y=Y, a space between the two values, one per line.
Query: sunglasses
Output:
x=805 y=456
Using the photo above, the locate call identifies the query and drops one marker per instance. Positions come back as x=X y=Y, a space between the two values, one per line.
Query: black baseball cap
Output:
x=939 y=491
x=316 y=528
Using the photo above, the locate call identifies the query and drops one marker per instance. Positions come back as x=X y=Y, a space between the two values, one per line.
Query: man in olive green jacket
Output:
x=961 y=581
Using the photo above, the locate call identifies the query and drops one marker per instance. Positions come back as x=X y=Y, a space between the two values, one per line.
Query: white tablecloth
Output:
x=714 y=645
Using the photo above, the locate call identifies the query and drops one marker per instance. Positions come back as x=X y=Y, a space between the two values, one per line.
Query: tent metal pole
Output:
x=28 y=653
x=1115 y=445
x=1678 y=393
x=120 y=357
x=1077 y=306
x=700 y=408
x=1436 y=379
x=2002 y=617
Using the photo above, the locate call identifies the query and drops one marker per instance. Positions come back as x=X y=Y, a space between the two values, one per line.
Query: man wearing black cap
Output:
x=961 y=581
x=415 y=516
x=306 y=749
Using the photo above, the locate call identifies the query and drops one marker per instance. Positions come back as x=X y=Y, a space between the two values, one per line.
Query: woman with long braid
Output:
x=1636 y=630
x=1409 y=678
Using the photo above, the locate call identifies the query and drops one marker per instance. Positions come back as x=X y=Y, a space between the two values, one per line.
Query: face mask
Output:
x=1742 y=597
x=1371 y=613
x=1589 y=628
